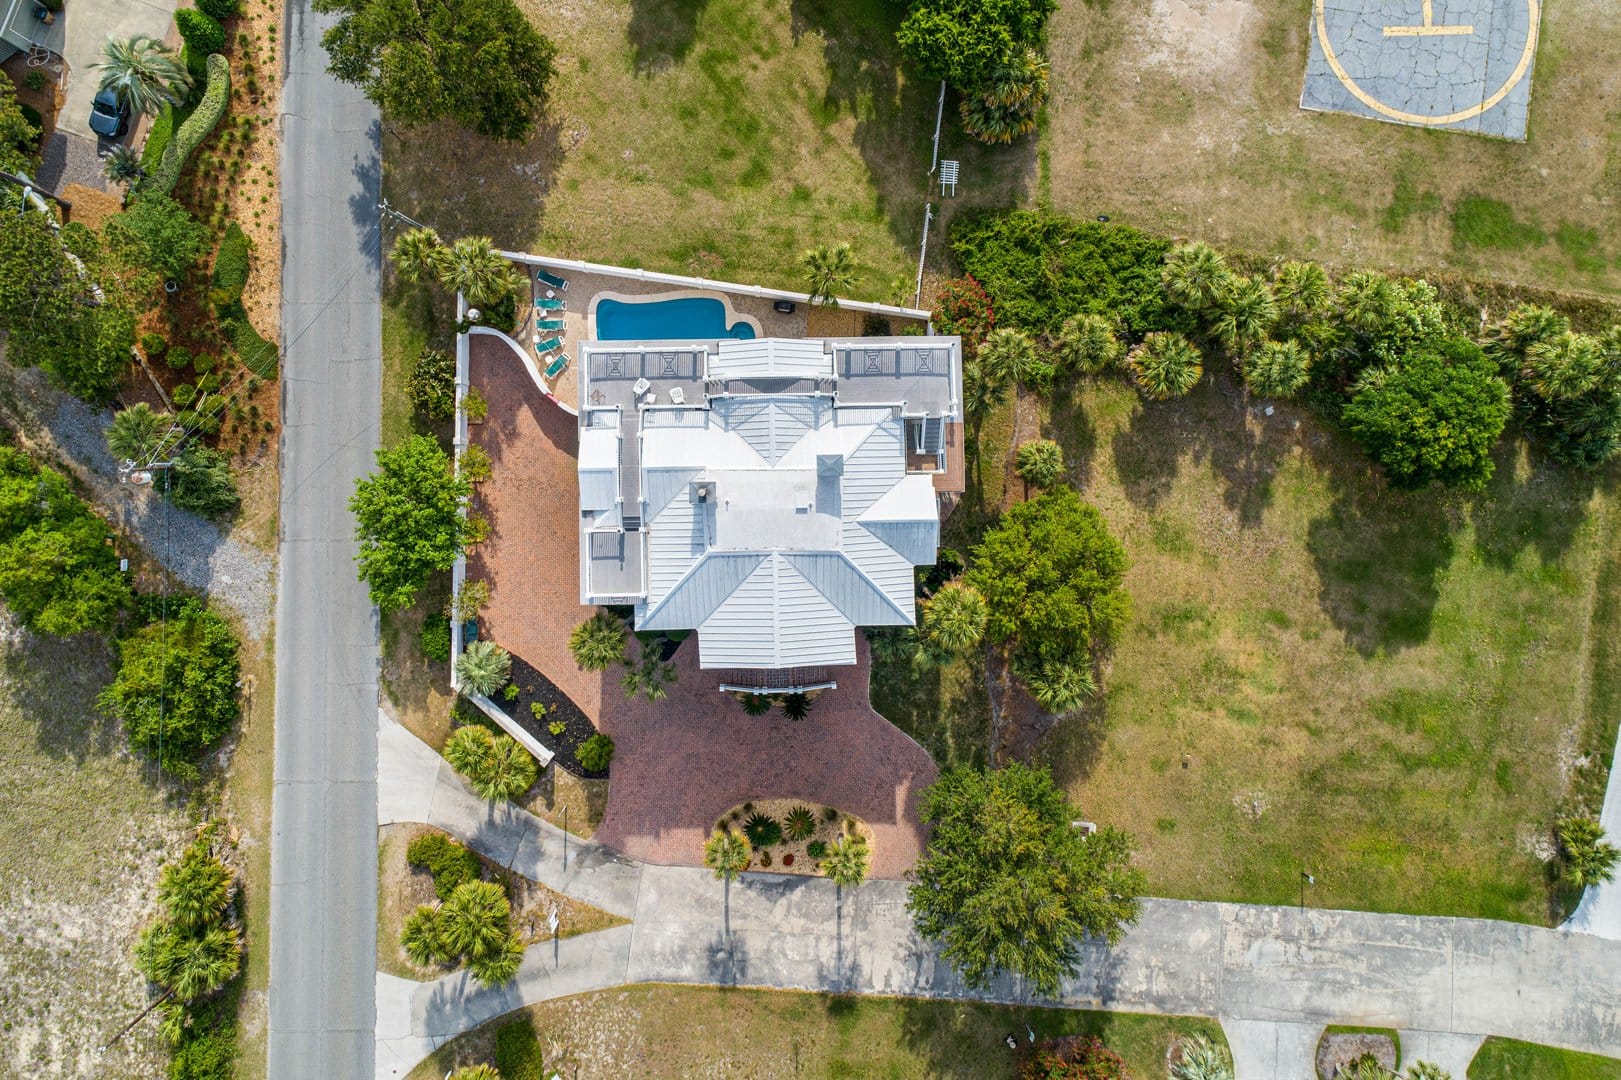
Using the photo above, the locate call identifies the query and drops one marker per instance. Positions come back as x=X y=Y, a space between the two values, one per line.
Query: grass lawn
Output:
x=83 y=830
x=1394 y=691
x=1506 y=1059
x=692 y=1031
x=1182 y=116
x=718 y=138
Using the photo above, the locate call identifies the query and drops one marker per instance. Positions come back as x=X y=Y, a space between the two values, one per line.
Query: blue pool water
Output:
x=690 y=318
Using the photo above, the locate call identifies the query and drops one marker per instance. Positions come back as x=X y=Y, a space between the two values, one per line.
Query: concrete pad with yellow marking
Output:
x=1459 y=64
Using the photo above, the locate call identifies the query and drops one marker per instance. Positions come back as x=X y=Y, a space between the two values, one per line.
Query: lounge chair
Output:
x=548 y=324
x=544 y=347
x=555 y=368
x=641 y=387
x=550 y=305
x=678 y=395
x=552 y=279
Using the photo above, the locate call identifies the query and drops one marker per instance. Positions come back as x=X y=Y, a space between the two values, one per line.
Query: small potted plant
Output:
x=474 y=405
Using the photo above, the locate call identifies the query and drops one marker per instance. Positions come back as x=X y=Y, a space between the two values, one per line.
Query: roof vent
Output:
x=829 y=464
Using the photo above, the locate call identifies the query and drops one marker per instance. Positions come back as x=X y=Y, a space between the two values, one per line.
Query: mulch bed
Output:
x=532 y=687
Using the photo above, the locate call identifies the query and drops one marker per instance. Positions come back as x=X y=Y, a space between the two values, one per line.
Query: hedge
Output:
x=1040 y=269
x=258 y=355
x=450 y=863
x=518 y=1053
x=216 y=99
x=231 y=265
x=219 y=9
x=201 y=31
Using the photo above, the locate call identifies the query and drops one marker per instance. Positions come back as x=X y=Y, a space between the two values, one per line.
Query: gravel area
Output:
x=192 y=548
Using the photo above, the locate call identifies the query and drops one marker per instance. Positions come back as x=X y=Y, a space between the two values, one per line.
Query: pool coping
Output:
x=733 y=316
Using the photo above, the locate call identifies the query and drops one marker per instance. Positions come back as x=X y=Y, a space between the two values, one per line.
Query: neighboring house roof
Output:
x=776 y=518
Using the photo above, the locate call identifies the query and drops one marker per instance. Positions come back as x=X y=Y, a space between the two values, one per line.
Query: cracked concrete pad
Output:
x=1463 y=65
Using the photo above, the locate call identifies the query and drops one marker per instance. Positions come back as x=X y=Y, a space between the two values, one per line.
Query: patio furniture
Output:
x=548 y=345
x=650 y=399
x=551 y=279
x=678 y=395
x=555 y=368
x=783 y=307
x=550 y=305
x=640 y=387
x=548 y=324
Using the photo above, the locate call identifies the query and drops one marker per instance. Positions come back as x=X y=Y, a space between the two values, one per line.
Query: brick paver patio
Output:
x=681 y=762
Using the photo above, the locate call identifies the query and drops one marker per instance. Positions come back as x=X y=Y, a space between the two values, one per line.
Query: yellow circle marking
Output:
x=1416 y=118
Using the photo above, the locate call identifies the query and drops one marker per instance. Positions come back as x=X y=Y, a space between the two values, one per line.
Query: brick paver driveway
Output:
x=681 y=762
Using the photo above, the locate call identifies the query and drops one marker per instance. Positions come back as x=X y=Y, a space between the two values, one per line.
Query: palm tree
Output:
x=477 y=270
x=1589 y=858
x=1194 y=276
x=421 y=937
x=649 y=676
x=1243 y=313
x=1424 y=1070
x=501 y=965
x=474 y=920
x=144 y=73
x=1009 y=356
x=1509 y=340
x=1007 y=106
x=1087 y=343
x=511 y=772
x=1563 y=367
x=954 y=617
x=186 y=965
x=1039 y=462
x=1366 y=1067
x=845 y=863
x=1166 y=364
x=1368 y=300
x=1277 y=369
x=1301 y=289
x=828 y=272
x=796 y=706
x=476 y=1072
x=419 y=255
x=1203 y=1060
x=1059 y=687
x=727 y=852
x=599 y=642
x=981 y=390
x=195 y=889
x=122 y=165
x=136 y=432
x=756 y=704
x=469 y=750
x=483 y=667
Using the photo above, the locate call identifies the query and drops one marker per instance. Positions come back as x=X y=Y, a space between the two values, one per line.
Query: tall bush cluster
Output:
x=991 y=54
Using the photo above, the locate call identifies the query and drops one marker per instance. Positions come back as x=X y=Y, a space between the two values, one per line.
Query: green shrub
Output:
x=219 y=9
x=434 y=639
x=799 y=823
x=184 y=394
x=816 y=848
x=216 y=99
x=202 y=363
x=517 y=1052
x=153 y=345
x=258 y=355
x=450 y=862
x=201 y=32
x=432 y=385
x=157 y=139
x=179 y=357
x=231 y=265
x=201 y=481
x=595 y=753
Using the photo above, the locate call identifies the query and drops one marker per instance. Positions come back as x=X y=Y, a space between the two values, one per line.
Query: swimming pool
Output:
x=687 y=318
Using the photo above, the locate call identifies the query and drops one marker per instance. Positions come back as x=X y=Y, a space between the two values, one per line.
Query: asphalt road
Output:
x=323 y=854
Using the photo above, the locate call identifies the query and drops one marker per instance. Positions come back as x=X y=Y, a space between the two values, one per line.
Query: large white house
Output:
x=771 y=494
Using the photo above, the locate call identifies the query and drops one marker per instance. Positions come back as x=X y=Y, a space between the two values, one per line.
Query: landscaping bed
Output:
x=790 y=856
x=534 y=688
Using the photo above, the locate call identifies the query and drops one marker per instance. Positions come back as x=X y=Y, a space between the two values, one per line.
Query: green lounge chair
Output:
x=555 y=368
x=549 y=305
x=551 y=279
x=544 y=347
x=549 y=324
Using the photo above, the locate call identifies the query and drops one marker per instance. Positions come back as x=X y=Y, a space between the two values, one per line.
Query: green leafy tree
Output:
x=1009 y=103
x=1568 y=385
x=1383 y=319
x=158 y=233
x=483 y=667
x=1087 y=343
x=1051 y=575
x=144 y=73
x=1277 y=369
x=595 y=753
x=1302 y=292
x=727 y=852
x=1040 y=462
x=845 y=863
x=1589 y=858
x=1008 y=884
x=1433 y=417
x=19 y=142
x=1166 y=364
x=419 y=256
x=136 y=432
x=200 y=480
x=1202 y=1059
x=475 y=267
x=967 y=42
x=954 y=617
x=1196 y=277
x=599 y=642
x=58 y=571
x=408 y=518
x=1243 y=313
x=480 y=63
x=175 y=692
x=828 y=272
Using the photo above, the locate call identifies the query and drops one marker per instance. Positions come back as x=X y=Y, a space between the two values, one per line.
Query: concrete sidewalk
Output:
x=1600 y=910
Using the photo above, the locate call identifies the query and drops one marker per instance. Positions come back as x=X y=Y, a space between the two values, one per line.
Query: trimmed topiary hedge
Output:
x=450 y=863
x=216 y=99
x=199 y=30
x=219 y=9
x=231 y=265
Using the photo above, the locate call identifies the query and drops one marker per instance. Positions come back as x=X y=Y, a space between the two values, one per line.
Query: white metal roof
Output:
x=770 y=358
